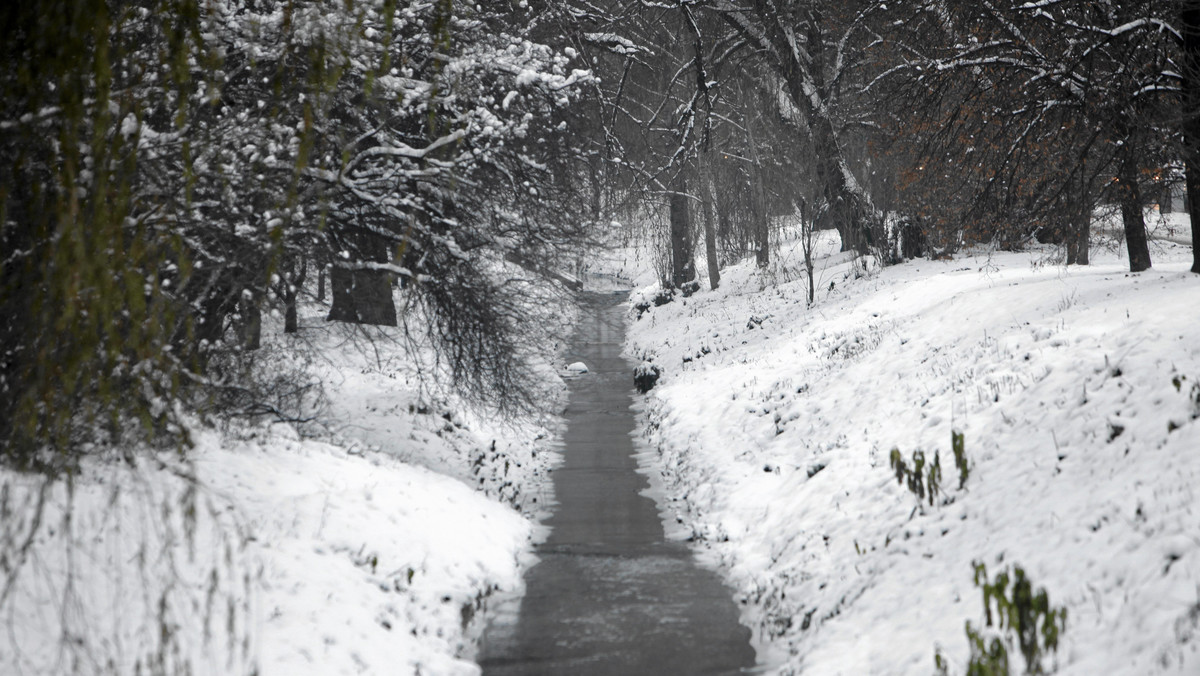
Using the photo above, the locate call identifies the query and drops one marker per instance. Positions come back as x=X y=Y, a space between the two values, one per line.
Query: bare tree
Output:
x=1038 y=113
x=817 y=52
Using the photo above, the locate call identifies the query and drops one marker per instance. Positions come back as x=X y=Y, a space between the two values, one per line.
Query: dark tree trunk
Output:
x=1079 y=220
x=724 y=227
x=762 y=226
x=710 y=226
x=224 y=298
x=1131 y=211
x=1079 y=230
x=216 y=305
x=850 y=210
x=1191 y=120
x=683 y=267
x=363 y=296
x=762 y=219
x=251 y=313
x=292 y=285
x=321 y=282
x=809 y=233
x=291 y=319
x=1084 y=242
x=597 y=187
x=913 y=242
x=1192 y=178
x=761 y=229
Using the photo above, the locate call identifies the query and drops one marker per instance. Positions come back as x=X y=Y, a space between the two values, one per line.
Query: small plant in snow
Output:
x=1067 y=301
x=1020 y=614
x=923 y=478
x=924 y=482
x=1193 y=398
x=958 y=446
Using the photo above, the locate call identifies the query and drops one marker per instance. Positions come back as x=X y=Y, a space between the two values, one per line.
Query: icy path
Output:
x=610 y=595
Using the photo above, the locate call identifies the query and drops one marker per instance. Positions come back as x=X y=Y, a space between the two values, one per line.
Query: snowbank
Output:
x=371 y=545
x=1077 y=391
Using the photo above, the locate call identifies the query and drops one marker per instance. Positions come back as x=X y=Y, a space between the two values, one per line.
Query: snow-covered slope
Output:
x=369 y=547
x=1077 y=391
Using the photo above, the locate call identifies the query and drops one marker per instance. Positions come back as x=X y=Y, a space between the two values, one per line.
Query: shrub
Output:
x=1193 y=396
x=645 y=376
x=1020 y=613
x=924 y=482
x=958 y=446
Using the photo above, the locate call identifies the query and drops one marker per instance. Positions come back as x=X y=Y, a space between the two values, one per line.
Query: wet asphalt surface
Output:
x=610 y=596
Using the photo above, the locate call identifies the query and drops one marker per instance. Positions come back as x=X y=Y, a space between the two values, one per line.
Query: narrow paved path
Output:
x=610 y=596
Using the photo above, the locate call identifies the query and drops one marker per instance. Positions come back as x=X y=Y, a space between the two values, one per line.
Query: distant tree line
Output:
x=952 y=122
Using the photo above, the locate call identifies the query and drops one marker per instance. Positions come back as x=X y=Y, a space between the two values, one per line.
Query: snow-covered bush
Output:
x=645 y=376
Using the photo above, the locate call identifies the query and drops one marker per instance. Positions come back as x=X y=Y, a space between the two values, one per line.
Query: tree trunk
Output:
x=724 y=227
x=760 y=211
x=1078 y=234
x=597 y=187
x=808 y=231
x=762 y=223
x=292 y=285
x=1192 y=178
x=291 y=319
x=710 y=226
x=850 y=209
x=363 y=296
x=251 y=313
x=1079 y=220
x=683 y=267
x=225 y=297
x=1084 y=242
x=1191 y=120
x=1131 y=211
x=321 y=282
x=217 y=302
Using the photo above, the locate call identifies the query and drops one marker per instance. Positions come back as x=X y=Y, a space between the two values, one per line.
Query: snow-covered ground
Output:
x=370 y=545
x=1077 y=391
x=374 y=543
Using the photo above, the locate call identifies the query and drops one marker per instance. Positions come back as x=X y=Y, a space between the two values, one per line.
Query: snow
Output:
x=1077 y=390
x=368 y=565
x=616 y=43
x=371 y=544
x=381 y=541
x=129 y=125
